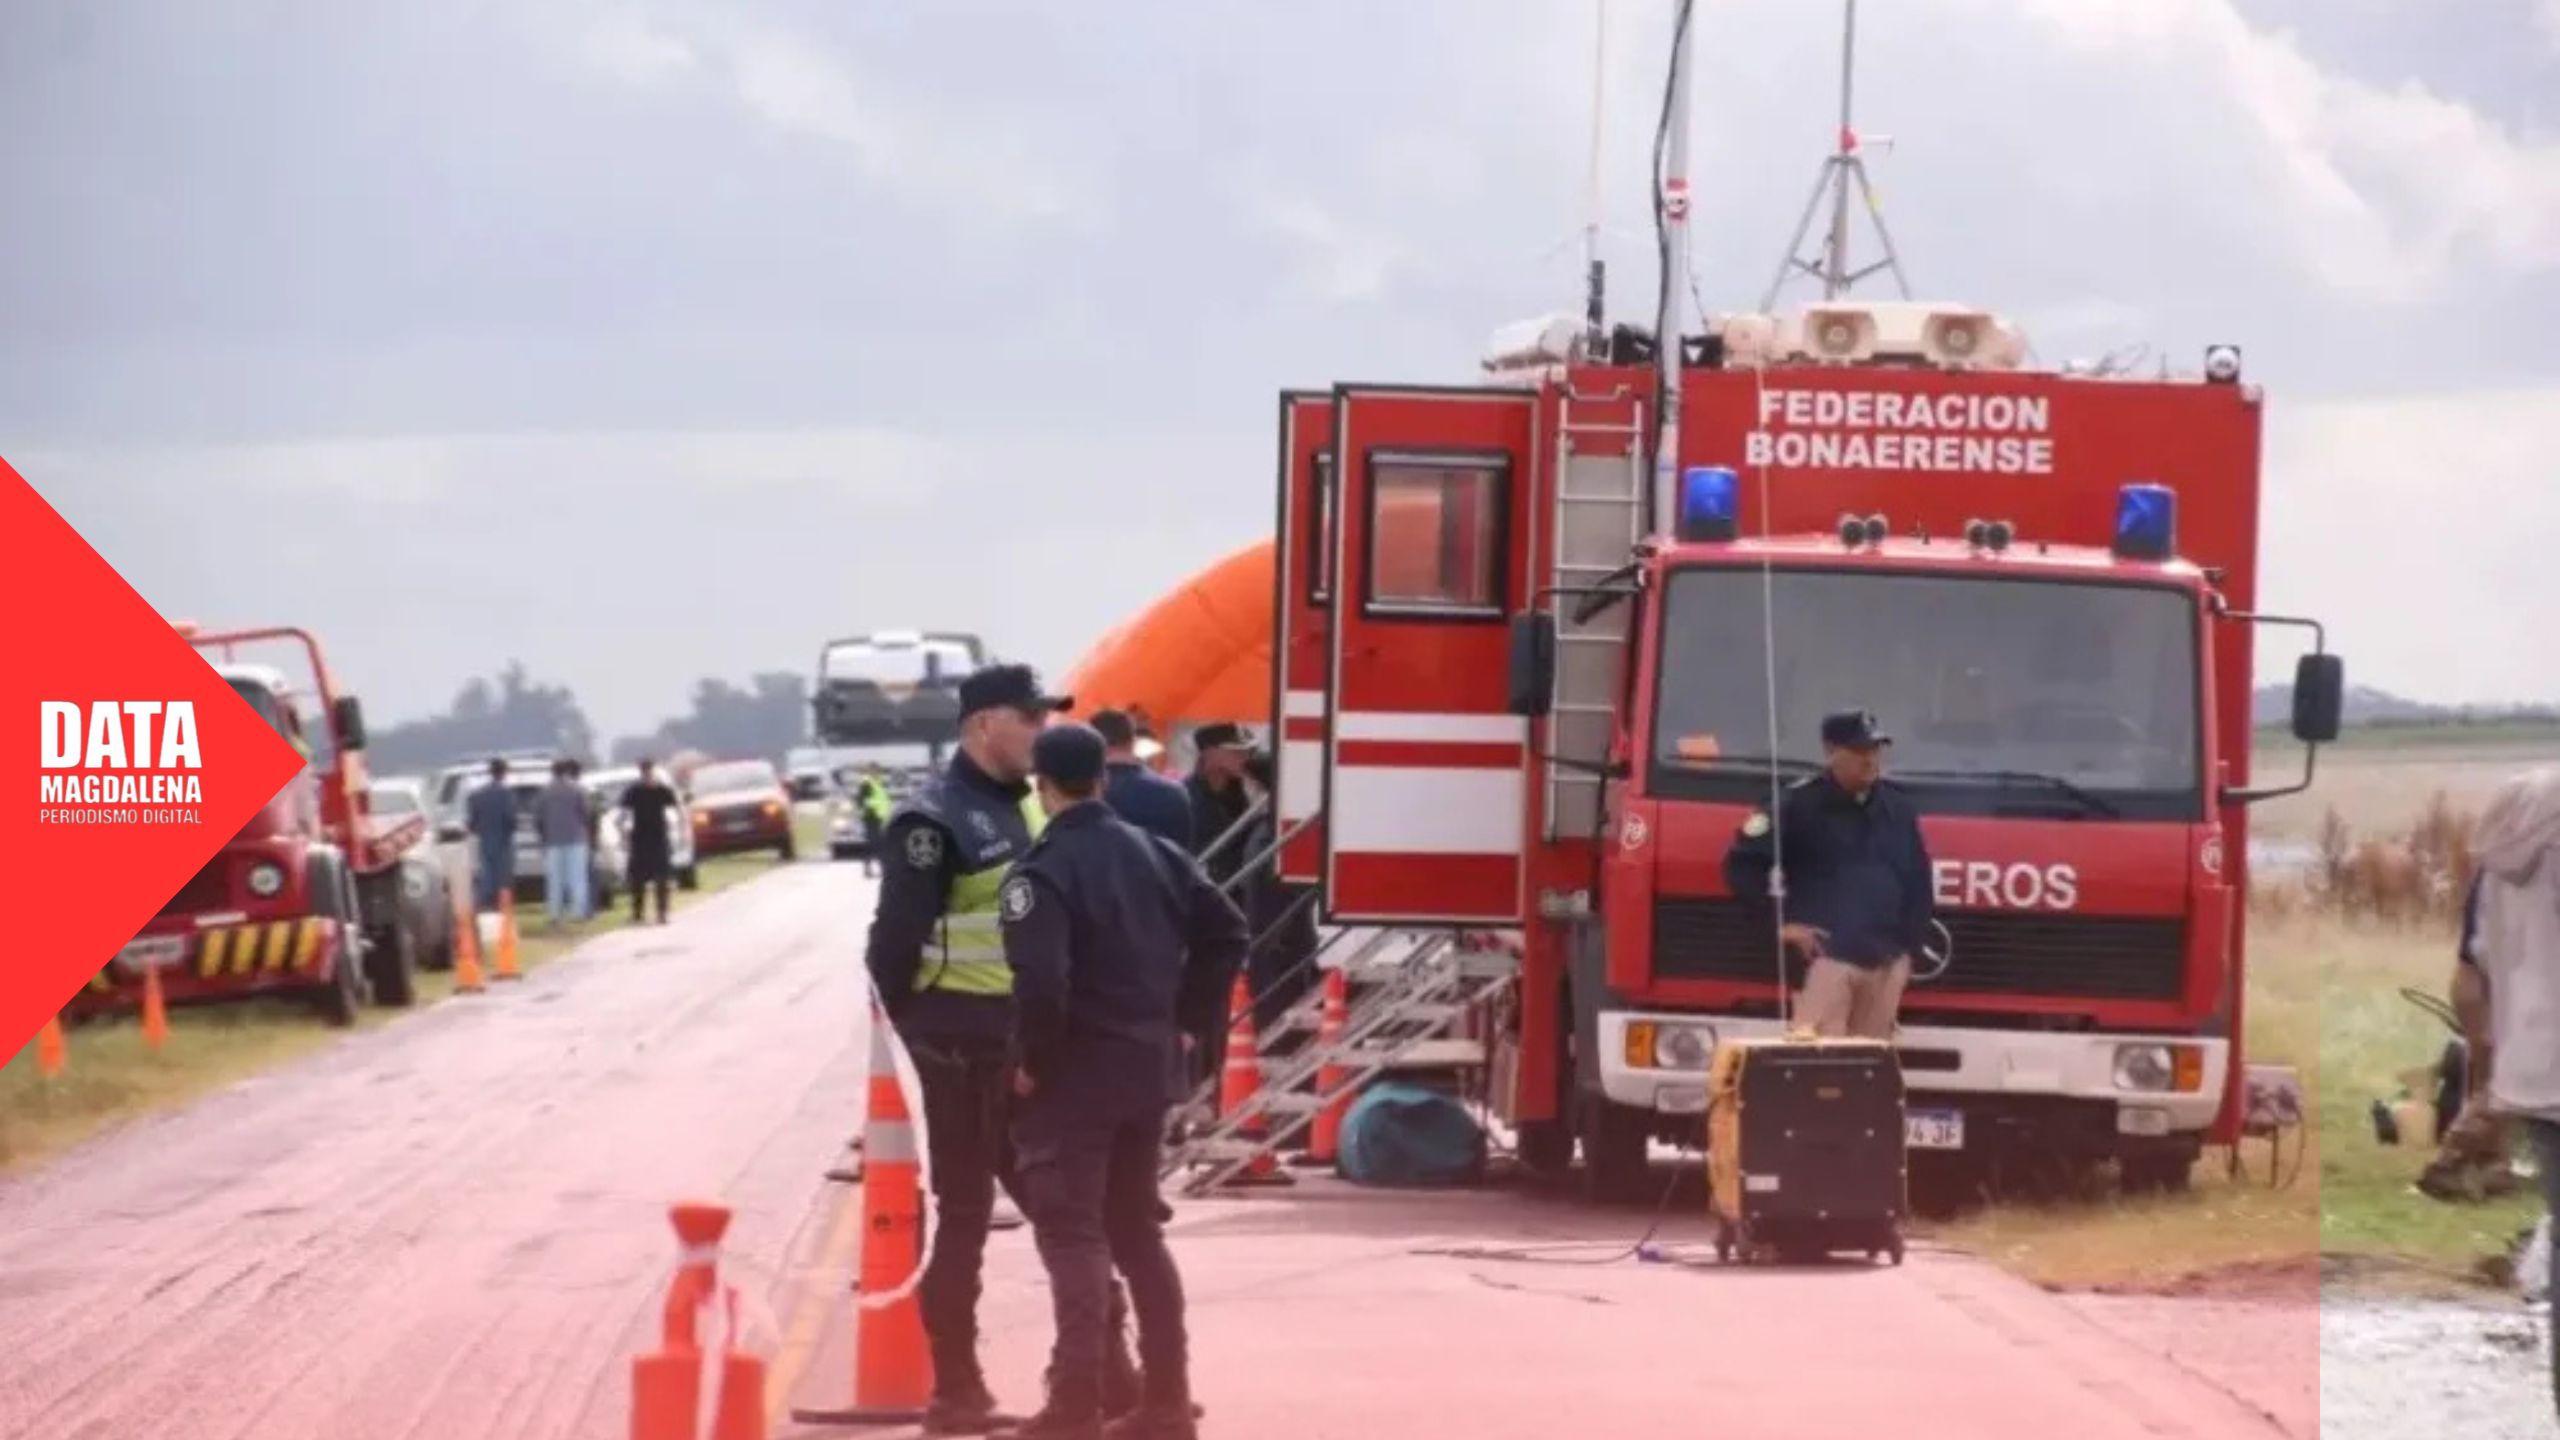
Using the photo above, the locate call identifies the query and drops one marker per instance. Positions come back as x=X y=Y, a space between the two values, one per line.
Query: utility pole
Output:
x=1844 y=167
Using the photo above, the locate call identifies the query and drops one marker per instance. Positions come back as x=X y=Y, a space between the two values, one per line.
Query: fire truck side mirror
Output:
x=2319 y=698
x=347 y=718
x=1533 y=663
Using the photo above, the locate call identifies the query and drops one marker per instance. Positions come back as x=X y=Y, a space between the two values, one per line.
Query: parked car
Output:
x=527 y=773
x=740 y=805
x=426 y=881
x=613 y=827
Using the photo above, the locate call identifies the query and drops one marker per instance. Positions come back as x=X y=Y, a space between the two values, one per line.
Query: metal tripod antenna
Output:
x=1841 y=169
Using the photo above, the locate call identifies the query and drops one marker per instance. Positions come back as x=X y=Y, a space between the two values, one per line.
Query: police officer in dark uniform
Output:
x=1856 y=879
x=937 y=957
x=1116 y=938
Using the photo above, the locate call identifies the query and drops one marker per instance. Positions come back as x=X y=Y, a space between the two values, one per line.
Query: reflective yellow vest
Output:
x=972 y=960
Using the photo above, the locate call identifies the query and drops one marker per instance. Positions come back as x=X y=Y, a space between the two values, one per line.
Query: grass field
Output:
x=112 y=1076
x=2324 y=997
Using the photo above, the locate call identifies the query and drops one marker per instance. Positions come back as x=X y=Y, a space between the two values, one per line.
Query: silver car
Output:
x=613 y=830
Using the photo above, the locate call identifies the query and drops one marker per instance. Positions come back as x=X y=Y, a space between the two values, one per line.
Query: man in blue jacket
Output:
x=1855 y=878
x=1150 y=801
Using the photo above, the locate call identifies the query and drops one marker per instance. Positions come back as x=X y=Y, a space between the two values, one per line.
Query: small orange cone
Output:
x=50 y=1053
x=155 y=1009
x=466 y=949
x=1324 y=1144
x=892 y=1368
x=1242 y=1077
x=507 y=936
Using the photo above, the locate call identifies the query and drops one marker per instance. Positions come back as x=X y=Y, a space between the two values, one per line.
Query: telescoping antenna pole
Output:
x=1671 y=210
x=1844 y=167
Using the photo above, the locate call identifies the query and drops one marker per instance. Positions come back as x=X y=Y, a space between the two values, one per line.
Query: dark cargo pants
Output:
x=1089 y=1188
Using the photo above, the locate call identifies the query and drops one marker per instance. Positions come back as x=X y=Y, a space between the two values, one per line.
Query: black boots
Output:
x=961 y=1403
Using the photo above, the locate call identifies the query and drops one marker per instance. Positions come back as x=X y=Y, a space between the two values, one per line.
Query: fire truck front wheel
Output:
x=1546 y=1146
x=333 y=898
x=1617 y=1168
x=391 y=963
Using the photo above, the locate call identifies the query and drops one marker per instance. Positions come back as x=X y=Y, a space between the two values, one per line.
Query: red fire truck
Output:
x=306 y=899
x=1523 y=682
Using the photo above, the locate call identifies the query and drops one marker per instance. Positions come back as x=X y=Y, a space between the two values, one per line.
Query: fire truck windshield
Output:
x=2006 y=696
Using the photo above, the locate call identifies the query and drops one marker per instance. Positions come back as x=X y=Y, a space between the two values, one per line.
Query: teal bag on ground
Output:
x=1399 y=1134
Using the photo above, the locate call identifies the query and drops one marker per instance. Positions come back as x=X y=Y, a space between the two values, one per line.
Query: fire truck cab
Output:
x=305 y=900
x=1522 y=684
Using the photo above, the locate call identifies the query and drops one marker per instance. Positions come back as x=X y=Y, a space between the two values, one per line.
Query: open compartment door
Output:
x=1301 y=651
x=1427 y=772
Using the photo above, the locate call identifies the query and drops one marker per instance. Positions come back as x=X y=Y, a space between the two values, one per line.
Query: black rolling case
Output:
x=1805 y=1149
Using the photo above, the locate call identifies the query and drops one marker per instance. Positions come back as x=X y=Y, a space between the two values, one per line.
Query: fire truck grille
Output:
x=205 y=890
x=2079 y=957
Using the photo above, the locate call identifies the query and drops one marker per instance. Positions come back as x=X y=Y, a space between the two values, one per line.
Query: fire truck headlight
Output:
x=266 y=880
x=1652 y=1045
x=2146 y=522
x=1710 y=503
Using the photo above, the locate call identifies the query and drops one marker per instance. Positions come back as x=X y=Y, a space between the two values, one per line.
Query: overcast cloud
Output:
x=649 y=340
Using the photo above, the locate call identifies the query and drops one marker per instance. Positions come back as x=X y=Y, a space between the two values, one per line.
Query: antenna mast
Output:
x=1595 y=324
x=1671 y=220
x=1843 y=167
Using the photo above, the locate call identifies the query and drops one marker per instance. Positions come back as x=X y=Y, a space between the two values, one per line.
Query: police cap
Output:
x=1068 y=754
x=1009 y=687
x=1854 y=730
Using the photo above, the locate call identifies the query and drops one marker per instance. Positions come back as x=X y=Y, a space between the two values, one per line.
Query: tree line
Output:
x=512 y=711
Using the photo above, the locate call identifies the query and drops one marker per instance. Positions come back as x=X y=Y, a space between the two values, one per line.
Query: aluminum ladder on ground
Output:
x=1601 y=483
x=1418 y=988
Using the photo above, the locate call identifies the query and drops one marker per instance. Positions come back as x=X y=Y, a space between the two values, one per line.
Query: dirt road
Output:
x=455 y=1228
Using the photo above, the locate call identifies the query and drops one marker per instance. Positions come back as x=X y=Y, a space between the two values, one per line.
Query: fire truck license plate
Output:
x=1933 y=1129
x=151 y=952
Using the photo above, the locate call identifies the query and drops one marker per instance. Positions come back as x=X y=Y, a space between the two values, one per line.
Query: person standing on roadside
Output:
x=1218 y=798
x=1135 y=793
x=871 y=804
x=2517 y=847
x=1116 y=939
x=490 y=814
x=1848 y=858
x=561 y=813
x=652 y=805
x=937 y=959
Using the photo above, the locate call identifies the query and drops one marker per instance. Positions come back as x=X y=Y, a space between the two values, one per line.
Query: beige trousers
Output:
x=1842 y=999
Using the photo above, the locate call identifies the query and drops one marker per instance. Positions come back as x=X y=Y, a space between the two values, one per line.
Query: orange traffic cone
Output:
x=1241 y=1078
x=50 y=1053
x=155 y=1009
x=666 y=1387
x=892 y=1369
x=507 y=937
x=466 y=949
x=1324 y=1145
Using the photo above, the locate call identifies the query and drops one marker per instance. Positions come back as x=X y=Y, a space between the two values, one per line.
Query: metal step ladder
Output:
x=1601 y=482
x=1412 y=990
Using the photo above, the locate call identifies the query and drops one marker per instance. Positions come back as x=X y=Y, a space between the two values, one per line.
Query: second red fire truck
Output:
x=1524 y=683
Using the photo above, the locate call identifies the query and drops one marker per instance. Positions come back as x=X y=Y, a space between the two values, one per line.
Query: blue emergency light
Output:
x=1710 y=503
x=2146 y=522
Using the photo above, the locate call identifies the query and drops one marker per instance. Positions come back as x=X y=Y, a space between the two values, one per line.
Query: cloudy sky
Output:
x=644 y=339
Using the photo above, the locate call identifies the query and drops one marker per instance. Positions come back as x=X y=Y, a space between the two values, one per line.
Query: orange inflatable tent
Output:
x=1200 y=653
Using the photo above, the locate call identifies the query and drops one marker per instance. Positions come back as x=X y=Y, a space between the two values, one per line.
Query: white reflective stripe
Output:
x=884 y=1060
x=889 y=1142
x=1406 y=810
x=1302 y=705
x=697 y=1254
x=1301 y=778
x=1431 y=725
